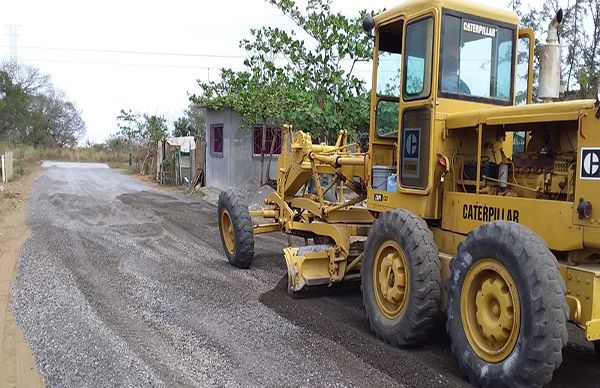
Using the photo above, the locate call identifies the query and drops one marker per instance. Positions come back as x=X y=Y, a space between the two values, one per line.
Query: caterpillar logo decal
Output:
x=487 y=213
x=590 y=163
x=410 y=155
x=479 y=29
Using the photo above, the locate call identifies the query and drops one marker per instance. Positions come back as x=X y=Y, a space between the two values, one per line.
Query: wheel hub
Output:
x=490 y=310
x=495 y=310
x=390 y=279
x=227 y=231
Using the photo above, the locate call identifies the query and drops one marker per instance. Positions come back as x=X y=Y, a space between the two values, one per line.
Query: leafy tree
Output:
x=33 y=112
x=323 y=75
x=15 y=115
x=286 y=81
x=181 y=127
x=130 y=128
x=58 y=119
x=579 y=36
x=195 y=117
x=154 y=128
x=130 y=125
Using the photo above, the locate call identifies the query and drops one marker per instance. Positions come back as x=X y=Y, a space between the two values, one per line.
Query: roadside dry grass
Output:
x=28 y=153
x=17 y=366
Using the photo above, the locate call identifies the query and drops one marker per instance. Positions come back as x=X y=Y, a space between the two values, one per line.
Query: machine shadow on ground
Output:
x=337 y=313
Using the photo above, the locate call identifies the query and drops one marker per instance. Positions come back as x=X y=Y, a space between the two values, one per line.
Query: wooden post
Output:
x=3 y=170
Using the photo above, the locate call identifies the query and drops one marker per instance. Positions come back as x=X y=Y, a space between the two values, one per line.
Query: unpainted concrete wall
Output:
x=237 y=165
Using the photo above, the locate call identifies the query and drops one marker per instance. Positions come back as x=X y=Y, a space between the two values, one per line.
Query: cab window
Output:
x=389 y=65
x=476 y=60
x=418 y=59
x=389 y=59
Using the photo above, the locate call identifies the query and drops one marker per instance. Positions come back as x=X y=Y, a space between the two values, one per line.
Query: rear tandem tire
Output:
x=235 y=227
x=506 y=307
x=400 y=278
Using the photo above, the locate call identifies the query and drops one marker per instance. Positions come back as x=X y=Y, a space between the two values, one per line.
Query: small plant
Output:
x=18 y=172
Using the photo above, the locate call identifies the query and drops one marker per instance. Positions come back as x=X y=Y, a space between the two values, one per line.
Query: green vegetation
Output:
x=287 y=80
x=139 y=133
x=34 y=112
x=579 y=37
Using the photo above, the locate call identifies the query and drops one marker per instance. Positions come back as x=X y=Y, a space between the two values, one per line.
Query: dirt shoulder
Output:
x=17 y=366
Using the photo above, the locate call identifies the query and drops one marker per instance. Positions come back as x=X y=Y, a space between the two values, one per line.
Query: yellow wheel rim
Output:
x=490 y=310
x=227 y=231
x=390 y=279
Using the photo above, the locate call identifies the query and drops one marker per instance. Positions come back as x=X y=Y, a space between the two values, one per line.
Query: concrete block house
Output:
x=233 y=153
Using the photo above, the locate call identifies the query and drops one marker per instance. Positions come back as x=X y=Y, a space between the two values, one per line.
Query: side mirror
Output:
x=368 y=25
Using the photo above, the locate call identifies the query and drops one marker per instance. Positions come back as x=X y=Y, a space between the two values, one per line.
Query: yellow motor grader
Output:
x=467 y=198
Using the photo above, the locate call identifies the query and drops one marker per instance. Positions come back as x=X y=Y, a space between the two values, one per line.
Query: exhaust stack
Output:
x=549 y=86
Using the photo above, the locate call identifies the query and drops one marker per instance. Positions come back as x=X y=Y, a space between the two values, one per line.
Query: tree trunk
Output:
x=271 y=157
x=263 y=145
x=145 y=160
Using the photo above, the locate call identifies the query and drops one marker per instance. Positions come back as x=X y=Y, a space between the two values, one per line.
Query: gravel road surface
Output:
x=121 y=284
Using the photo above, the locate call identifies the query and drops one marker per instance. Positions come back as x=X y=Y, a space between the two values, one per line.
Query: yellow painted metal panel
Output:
x=583 y=293
x=566 y=110
x=589 y=189
x=551 y=220
x=483 y=10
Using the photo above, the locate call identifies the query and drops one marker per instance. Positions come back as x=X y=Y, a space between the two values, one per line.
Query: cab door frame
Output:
x=425 y=103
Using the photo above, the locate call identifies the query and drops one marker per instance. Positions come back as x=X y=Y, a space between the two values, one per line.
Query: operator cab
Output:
x=433 y=58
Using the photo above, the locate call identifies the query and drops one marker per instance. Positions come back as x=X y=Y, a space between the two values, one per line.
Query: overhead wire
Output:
x=118 y=64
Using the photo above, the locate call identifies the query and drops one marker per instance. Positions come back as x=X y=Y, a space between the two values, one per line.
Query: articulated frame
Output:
x=297 y=211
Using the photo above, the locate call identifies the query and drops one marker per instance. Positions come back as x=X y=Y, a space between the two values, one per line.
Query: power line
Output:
x=155 y=53
x=133 y=52
x=117 y=64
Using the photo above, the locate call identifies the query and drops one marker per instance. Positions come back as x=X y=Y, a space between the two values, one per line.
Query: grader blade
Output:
x=307 y=266
x=313 y=268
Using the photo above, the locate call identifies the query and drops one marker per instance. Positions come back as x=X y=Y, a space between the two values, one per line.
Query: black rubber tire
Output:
x=416 y=240
x=234 y=202
x=541 y=290
x=597 y=347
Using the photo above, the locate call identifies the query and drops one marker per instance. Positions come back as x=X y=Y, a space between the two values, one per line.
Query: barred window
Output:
x=273 y=135
x=216 y=140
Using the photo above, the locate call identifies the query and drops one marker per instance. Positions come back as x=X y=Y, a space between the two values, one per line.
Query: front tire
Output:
x=235 y=227
x=506 y=307
x=400 y=278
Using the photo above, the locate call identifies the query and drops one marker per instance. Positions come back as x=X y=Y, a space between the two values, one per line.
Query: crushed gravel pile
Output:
x=253 y=192
x=123 y=285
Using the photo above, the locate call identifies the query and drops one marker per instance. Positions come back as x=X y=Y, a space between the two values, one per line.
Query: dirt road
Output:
x=17 y=367
x=122 y=284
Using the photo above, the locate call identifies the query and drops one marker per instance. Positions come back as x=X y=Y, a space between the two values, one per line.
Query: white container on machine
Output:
x=392 y=183
x=380 y=176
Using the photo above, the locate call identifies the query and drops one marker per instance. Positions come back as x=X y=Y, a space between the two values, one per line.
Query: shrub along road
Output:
x=121 y=284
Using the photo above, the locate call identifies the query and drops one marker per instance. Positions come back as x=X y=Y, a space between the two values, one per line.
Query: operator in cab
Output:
x=451 y=82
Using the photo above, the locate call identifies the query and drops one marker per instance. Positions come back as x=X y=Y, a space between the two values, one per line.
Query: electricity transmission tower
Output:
x=12 y=36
